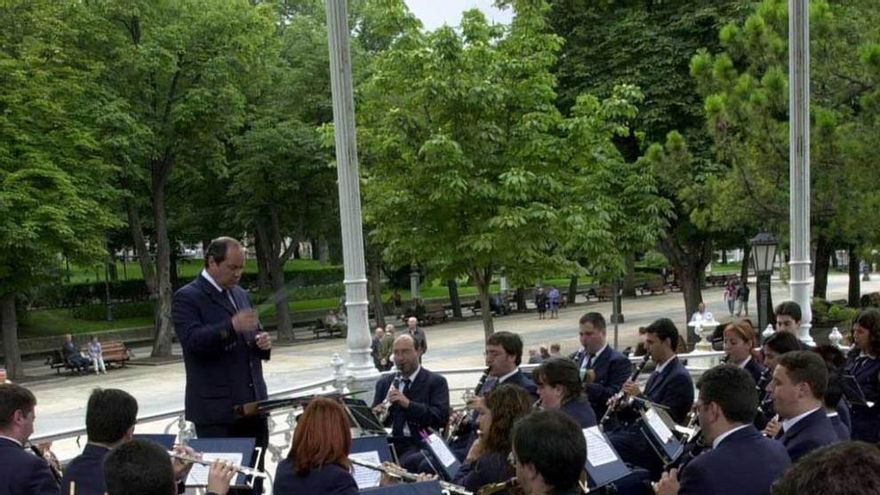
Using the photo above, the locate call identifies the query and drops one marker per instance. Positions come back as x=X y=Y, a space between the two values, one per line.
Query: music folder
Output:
x=658 y=427
x=604 y=465
x=363 y=417
x=236 y=450
x=373 y=449
x=420 y=488
x=444 y=461
x=853 y=391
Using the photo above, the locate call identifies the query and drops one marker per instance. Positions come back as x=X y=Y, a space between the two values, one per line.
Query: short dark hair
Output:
x=14 y=398
x=869 y=319
x=595 y=319
x=845 y=468
x=831 y=355
x=559 y=371
x=218 y=248
x=789 y=308
x=510 y=342
x=139 y=467
x=806 y=367
x=553 y=443
x=834 y=389
x=782 y=342
x=664 y=329
x=109 y=415
x=733 y=389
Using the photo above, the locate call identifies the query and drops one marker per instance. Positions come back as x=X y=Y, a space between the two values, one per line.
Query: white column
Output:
x=799 y=150
x=360 y=364
x=414 y=276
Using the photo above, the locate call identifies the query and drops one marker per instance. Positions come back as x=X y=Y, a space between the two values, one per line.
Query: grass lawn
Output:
x=46 y=323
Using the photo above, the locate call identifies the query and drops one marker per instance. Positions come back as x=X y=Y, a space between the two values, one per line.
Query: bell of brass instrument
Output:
x=493 y=488
x=383 y=409
x=461 y=423
x=617 y=399
x=404 y=475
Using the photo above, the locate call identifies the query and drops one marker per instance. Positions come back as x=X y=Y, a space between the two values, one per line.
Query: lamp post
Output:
x=764 y=247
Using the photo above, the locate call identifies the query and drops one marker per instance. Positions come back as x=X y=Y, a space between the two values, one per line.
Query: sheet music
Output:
x=599 y=452
x=198 y=475
x=366 y=477
x=441 y=450
x=656 y=423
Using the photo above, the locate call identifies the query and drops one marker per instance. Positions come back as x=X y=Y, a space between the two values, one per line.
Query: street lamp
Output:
x=764 y=247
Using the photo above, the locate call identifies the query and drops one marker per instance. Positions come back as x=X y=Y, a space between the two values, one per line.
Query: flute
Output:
x=402 y=474
x=247 y=471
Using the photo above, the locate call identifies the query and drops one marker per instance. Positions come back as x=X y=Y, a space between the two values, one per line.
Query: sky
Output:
x=435 y=13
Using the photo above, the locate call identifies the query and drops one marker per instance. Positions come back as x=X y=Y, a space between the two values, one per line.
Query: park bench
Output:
x=715 y=280
x=114 y=352
x=322 y=329
x=435 y=313
x=654 y=286
x=56 y=362
x=605 y=292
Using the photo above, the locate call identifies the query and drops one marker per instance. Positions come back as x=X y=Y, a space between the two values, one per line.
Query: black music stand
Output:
x=165 y=440
x=363 y=417
x=420 y=488
x=207 y=446
x=658 y=428
x=604 y=465
x=853 y=391
x=371 y=449
x=443 y=460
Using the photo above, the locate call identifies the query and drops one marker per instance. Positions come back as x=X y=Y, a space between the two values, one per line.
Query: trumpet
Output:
x=383 y=409
x=462 y=423
x=404 y=475
x=617 y=399
x=245 y=470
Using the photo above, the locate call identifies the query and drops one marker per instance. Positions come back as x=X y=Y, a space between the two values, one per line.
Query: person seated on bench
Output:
x=97 y=355
x=72 y=356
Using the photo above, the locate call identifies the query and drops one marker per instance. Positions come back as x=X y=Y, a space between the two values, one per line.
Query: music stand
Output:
x=363 y=418
x=373 y=449
x=227 y=448
x=657 y=427
x=447 y=464
x=165 y=440
x=420 y=488
x=853 y=391
x=604 y=465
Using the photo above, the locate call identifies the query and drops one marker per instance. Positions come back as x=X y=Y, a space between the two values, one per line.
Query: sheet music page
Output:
x=198 y=475
x=599 y=452
x=656 y=423
x=366 y=477
x=444 y=455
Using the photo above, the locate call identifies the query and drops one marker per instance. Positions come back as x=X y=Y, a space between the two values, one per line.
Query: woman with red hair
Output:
x=318 y=460
x=739 y=345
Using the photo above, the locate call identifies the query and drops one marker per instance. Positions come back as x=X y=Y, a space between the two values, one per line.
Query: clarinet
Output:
x=465 y=424
x=384 y=412
x=616 y=399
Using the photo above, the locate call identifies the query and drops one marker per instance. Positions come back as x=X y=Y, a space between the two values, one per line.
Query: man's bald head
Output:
x=406 y=356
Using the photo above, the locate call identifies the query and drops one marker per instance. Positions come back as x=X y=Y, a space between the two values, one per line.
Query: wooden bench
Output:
x=322 y=329
x=115 y=352
x=654 y=286
x=605 y=292
x=435 y=313
x=56 y=362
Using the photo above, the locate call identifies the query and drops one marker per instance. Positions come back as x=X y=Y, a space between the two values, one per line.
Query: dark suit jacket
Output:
x=581 y=411
x=491 y=467
x=23 y=473
x=612 y=369
x=87 y=470
x=866 y=420
x=839 y=428
x=672 y=388
x=808 y=434
x=520 y=378
x=223 y=368
x=331 y=479
x=429 y=403
x=755 y=369
x=745 y=463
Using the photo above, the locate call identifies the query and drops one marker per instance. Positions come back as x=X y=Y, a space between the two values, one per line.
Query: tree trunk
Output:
x=173 y=269
x=723 y=256
x=278 y=256
x=164 y=326
x=572 y=288
x=323 y=250
x=260 y=247
x=482 y=278
x=9 y=326
x=452 y=285
x=689 y=261
x=855 y=284
x=521 y=300
x=823 y=256
x=375 y=286
x=744 y=268
x=691 y=279
x=140 y=248
x=629 y=281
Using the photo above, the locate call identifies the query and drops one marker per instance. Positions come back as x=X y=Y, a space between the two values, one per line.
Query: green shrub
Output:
x=98 y=312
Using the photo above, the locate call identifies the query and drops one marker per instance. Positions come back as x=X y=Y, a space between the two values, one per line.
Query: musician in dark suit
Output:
x=559 y=387
x=318 y=459
x=670 y=386
x=741 y=461
x=775 y=346
x=788 y=319
x=21 y=472
x=417 y=400
x=798 y=389
x=549 y=453
x=863 y=364
x=602 y=368
x=739 y=344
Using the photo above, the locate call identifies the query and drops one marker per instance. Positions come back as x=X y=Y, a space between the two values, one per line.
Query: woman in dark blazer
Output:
x=559 y=387
x=318 y=460
x=863 y=363
x=486 y=462
x=739 y=344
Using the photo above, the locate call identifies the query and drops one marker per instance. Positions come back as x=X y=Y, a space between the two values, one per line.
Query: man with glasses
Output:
x=548 y=453
x=602 y=368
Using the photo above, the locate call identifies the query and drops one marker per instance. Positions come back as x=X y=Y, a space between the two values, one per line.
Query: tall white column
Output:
x=360 y=363
x=799 y=150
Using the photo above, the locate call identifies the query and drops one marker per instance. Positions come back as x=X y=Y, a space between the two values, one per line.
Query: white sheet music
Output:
x=366 y=477
x=441 y=450
x=198 y=475
x=656 y=422
x=599 y=452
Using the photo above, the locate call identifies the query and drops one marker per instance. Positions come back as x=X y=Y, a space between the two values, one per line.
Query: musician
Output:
x=139 y=467
x=741 y=461
x=788 y=320
x=739 y=345
x=559 y=387
x=798 y=389
x=111 y=415
x=606 y=368
x=839 y=413
x=863 y=364
x=851 y=468
x=418 y=401
x=775 y=346
x=833 y=399
x=549 y=453
x=318 y=459
x=670 y=386
x=223 y=348
x=486 y=462
x=21 y=472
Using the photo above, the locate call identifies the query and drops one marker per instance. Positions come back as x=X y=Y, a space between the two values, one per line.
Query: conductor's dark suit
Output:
x=23 y=473
x=87 y=470
x=808 y=434
x=612 y=370
x=745 y=463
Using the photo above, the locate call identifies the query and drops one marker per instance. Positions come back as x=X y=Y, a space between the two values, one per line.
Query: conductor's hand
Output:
x=264 y=341
x=668 y=484
x=631 y=388
x=219 y=476
x=181 y=467
x=397 y=397
x=245 y=321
